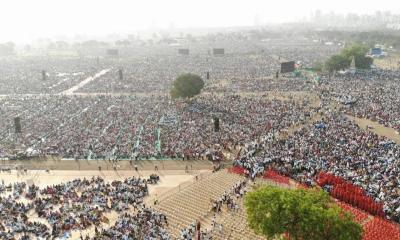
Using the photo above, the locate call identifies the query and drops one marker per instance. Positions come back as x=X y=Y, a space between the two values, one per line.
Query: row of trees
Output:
x=368 y=38
x=300 y=213
x=343 y=60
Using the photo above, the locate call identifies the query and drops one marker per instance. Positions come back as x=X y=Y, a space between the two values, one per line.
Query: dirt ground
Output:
x=390 y=62
x=52 y=163
x=377 y=128
x=41 y=178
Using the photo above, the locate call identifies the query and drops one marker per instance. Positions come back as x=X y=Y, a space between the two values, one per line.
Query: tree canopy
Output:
x=343 y=60
x=337 y=63
x=368 y=38
x=302 y=213
x=186 y=86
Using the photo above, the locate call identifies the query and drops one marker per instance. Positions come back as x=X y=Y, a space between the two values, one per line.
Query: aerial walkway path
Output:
x=84 y=82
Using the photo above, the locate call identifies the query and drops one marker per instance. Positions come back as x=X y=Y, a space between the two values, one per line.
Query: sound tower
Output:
x=121 y=75
x=183 y=51
x=44 y=75
x=208 y=75
x=216 y=124
x=17 y=124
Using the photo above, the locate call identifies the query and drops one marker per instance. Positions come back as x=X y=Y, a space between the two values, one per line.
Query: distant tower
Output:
x=120 y=74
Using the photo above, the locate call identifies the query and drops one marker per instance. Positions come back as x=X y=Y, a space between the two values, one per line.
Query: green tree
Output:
x=303 y=214
x=186 y=86
x=343 y=60
x=358 y=51
x=337 y=63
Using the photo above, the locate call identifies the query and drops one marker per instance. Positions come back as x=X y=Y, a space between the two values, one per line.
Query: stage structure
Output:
x=44 y=75
x=121 y=74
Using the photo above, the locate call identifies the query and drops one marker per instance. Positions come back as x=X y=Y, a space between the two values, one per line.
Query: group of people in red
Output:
x=338 y=188
x=349 y=193
x=355 y=197
x=237 y=170
x=380 y=229
x=276 y=177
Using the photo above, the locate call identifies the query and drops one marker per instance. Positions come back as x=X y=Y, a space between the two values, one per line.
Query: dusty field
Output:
x=105 y=165
x=377 y=128
x=390 y=62
x=169 y=178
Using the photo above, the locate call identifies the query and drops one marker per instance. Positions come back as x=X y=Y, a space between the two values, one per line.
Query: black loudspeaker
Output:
x=121 y=75
x=216 y=124
x=208 y=75
x=17 y=124
x=44 y=75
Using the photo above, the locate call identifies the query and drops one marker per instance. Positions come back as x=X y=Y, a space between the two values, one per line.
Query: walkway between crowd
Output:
x=84 y=82
x=377 y=128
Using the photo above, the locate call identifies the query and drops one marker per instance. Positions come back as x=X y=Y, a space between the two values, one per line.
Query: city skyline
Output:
x=23 y=21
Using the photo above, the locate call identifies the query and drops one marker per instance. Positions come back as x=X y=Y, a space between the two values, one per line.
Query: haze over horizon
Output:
x=24 y=20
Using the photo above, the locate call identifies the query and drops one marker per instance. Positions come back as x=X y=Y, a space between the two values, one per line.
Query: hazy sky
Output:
x=23 y=20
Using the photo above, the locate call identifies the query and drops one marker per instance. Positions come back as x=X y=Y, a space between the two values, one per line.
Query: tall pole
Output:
x=198 y=227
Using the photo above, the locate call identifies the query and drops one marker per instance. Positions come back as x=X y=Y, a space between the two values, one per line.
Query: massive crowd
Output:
x=25 y=75
x=129 y=127
x=145 y=224
x=124 y=124
x=338 y=146
x=371 y=94
x=153 y=68
x=77 y=205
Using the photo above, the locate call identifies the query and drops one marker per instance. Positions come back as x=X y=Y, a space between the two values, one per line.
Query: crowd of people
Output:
x=78 y=205
x=145 y=224
x=132 y=117
x=153 y=68
x=338 y=146
x=230 y=198
x=371 y=94
x=133 y=127
x=44 y=75
x=124 y=125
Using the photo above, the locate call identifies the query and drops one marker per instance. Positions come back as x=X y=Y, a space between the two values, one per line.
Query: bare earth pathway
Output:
x=377 y=128
x=84 y=82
